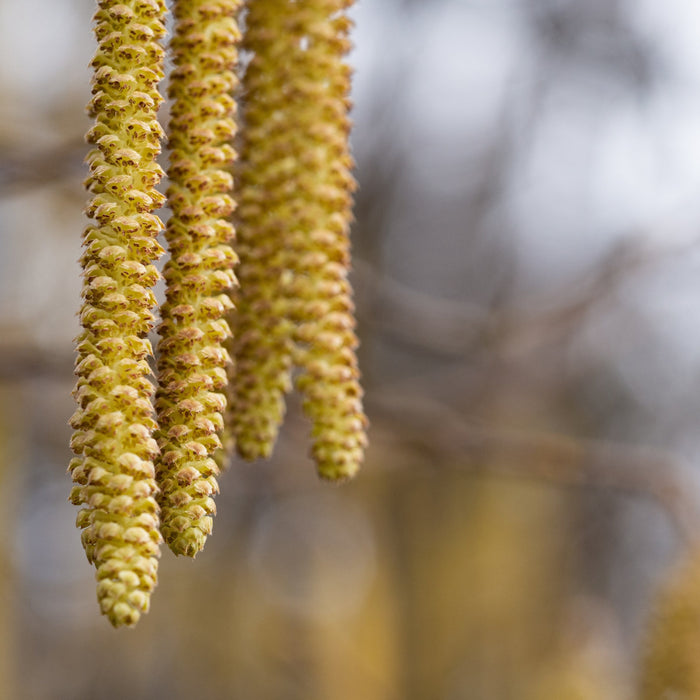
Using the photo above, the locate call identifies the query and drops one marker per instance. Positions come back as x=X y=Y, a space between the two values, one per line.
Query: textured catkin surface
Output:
x=113 y=470
x=192 y=360
x=294 y=304
x=325 y=323
x=267 y=172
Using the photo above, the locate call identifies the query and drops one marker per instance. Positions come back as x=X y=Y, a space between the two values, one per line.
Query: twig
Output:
x=553 y=459
x=452 y=328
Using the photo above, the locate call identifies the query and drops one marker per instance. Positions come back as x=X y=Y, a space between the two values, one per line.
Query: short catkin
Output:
x=113 y=471
x=199 y=273
x=294 y=305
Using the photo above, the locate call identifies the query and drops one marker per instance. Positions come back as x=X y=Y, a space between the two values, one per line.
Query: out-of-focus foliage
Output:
x=526 y=271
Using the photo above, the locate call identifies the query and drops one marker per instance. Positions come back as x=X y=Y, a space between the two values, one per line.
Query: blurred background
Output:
x=527 y=275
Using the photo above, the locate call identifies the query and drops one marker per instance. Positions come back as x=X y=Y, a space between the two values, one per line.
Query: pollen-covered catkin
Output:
x=294 y=305
x=319 y=238
x=192 y=358
x=266 y=181
x=113 y=470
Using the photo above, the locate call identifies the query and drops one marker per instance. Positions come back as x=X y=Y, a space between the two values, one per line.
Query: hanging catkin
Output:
x=296 y=187
x=192 y=360
x=262 y=345
x=295 y=303
x=325 y=324
x=113 y=470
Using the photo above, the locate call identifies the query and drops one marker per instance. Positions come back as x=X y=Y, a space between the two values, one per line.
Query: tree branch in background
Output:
x=552 y=459
x=451 y=328
x=28 y=169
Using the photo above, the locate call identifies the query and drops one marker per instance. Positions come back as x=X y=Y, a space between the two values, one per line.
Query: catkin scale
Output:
x=113 y=471
x=192 y=359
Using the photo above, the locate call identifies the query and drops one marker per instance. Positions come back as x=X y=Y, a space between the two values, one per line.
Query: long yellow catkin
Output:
x=113 y=470
x=325 y=329
x=262 y=346
x=192 y=359
x=294 y=303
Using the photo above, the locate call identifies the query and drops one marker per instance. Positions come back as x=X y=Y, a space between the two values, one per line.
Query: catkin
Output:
x=192 y=359
x=325 y=324
x=113 y=470
x=294 y=305
x=262 y=346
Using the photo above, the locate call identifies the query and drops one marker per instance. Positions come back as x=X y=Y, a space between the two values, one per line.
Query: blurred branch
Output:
x=452 y=328
x=553 y=459
x=413 y=317
x=24 y=169
x=519 y=332
x=23 y=362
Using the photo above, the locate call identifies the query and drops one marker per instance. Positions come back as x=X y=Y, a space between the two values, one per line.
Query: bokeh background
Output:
x=527 y=275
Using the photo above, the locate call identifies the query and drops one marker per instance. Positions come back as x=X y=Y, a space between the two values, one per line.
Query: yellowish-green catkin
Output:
x=325 y=325
x=199 y=274
x=294 y=303
x=670 y=667
x=262 y=346
x=113 y=470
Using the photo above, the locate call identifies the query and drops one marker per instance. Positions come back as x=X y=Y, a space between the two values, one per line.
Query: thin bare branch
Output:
x=553 y=459
x=451 y=328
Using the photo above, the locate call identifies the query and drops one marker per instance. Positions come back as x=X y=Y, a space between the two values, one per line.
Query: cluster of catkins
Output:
x=147 y=459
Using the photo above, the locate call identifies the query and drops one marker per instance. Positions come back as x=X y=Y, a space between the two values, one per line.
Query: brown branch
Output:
x=26 y=169
x=21 y=362
x=552 y=459
x=453 y=328
x=413 y=317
